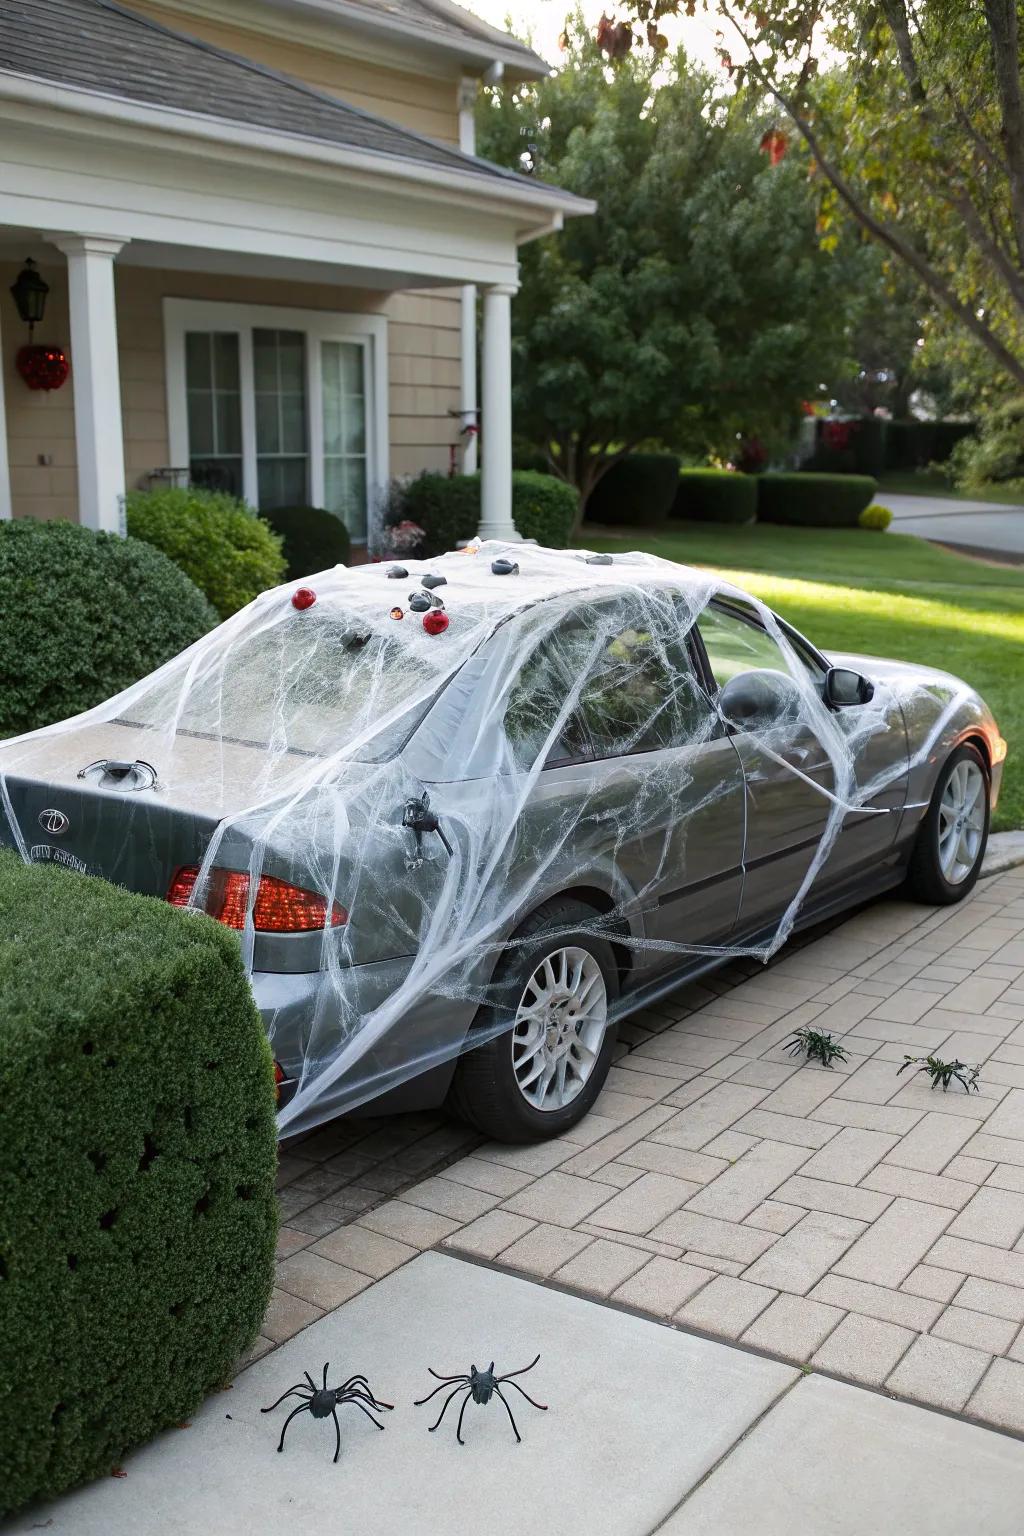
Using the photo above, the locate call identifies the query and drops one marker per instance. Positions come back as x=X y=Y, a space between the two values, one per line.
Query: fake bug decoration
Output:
x=943 y=1071
x=397 y=572
x=481 y=1386
x=323 y=1401
x=504 y=567
x=816 y=1046
x=430 y=582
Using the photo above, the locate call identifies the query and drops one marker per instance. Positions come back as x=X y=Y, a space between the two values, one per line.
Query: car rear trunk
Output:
x=68 y=810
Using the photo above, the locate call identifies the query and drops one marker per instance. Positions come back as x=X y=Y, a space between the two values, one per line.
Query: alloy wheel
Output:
x=560 y=1027
x=961 y=824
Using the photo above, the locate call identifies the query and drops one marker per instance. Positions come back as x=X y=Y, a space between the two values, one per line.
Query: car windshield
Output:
x=313 y=690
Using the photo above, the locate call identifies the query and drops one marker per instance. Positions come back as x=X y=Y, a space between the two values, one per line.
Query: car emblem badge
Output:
x=54 y=822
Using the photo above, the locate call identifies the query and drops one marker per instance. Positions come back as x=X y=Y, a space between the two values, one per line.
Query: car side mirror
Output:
x=757 y=699
x=844 y=687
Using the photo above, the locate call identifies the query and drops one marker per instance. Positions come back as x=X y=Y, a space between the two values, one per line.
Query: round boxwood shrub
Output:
x=715 y=496
x=311 y=539
x=229 y=553
x=543 y=508
x=83 y=615
x=814 y=501
x=876 y=517
x=637 y=492
x=137 y=1162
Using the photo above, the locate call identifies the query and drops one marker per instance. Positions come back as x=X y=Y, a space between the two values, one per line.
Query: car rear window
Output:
x=310 y=687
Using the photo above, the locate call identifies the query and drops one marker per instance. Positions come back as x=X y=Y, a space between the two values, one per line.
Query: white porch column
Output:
x=468 y=89
x=5 y=473
x=467 y=383
x=99 y=439
x=496 y=489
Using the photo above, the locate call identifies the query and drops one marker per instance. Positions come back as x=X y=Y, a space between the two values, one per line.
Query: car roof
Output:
x=476 y=580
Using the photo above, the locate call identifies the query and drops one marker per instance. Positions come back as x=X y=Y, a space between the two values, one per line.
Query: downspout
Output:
x=469 y=410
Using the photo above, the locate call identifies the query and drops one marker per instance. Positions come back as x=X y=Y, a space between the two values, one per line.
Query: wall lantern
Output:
x=43 y=368
x=29 y=295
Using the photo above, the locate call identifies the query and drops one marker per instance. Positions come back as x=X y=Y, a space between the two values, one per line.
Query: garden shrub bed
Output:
x=447 y=508
x=83 y=615
x=715 y=496
x=808 y=500
x=218 y=541
x=137 y=1162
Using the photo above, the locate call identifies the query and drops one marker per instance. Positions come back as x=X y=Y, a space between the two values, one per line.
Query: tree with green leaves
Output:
x=912 y=114
x=697 y=304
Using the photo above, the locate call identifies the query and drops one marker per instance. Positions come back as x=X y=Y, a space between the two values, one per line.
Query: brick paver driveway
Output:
x=850 y=1219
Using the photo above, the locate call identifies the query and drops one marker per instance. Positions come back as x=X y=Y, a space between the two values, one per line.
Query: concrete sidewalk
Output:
x=981 y=526
x=647 y=1429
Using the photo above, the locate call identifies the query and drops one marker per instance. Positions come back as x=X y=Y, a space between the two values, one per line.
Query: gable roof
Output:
x=97 y=46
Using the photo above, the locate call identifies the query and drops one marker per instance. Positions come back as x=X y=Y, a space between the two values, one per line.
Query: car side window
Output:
x=736 y=641
x=638 y=693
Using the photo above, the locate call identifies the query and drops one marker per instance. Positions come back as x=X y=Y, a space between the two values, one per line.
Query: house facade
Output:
x=266 y=241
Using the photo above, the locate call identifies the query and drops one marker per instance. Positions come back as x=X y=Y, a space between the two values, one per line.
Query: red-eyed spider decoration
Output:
x=321 y=1401
x=480 y=1386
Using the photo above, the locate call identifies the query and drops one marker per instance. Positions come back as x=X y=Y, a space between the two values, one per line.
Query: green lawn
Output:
x=927 y=482
x=883 y=594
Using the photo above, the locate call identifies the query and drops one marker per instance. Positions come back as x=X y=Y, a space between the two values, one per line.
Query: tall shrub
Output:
x=229 y=553
x=137 y=1162
x=637 y=492
x=83 y=615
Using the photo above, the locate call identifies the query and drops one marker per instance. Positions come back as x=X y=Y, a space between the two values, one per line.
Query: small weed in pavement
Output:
x=943 y=1071
x=816 y=1046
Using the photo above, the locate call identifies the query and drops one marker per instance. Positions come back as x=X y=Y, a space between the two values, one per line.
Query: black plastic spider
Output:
x=479 y=1385
x=321 y=1401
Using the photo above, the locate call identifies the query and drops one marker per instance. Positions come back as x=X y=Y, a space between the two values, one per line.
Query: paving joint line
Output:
x=803 y=1368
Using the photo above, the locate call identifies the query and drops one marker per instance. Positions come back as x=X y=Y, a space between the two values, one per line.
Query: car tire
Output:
x=949 y=849
x=490 y=1089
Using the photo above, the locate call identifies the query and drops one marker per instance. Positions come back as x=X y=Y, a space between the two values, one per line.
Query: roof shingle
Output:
x=96 y=45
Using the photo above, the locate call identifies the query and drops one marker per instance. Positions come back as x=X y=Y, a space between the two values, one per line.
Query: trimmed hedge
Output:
x=311 y=539
x=83 y=615
x=137 y=1162
x=543 y=507
x=814 y=501
x=637 y=492
x=715 y=496
x=230 y=553
x=447 y=508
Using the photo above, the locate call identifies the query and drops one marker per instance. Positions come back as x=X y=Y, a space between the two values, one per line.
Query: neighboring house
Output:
x=261 y=224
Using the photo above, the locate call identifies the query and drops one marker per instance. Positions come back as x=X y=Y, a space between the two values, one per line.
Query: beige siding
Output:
x=413 y=100
x=423 y=368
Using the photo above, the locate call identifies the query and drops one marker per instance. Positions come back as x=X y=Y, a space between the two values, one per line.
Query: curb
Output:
x=1005 y=851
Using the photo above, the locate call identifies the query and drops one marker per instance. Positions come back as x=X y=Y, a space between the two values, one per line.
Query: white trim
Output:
x=319 y=325
x=514 y=192
x=95 y=377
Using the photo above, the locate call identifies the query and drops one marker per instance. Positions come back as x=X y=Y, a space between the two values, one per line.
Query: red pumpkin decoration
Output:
x=42 y=367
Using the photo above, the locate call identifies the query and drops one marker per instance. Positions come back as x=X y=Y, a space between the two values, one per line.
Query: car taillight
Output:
x=278 y=908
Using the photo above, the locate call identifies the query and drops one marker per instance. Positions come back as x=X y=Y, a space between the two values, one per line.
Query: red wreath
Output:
x=42 y=367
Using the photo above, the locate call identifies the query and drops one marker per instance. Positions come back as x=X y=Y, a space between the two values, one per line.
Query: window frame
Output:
x=732 y=610
x=318 y=326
